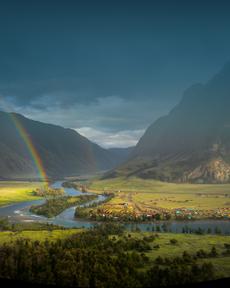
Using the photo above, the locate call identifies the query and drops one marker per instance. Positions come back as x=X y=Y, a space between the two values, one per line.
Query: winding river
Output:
x=19 y=212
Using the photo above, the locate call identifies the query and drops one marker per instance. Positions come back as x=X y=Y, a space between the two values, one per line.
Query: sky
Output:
x=107 y=68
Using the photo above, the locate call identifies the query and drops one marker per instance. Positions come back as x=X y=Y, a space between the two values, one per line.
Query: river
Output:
x=19 y=212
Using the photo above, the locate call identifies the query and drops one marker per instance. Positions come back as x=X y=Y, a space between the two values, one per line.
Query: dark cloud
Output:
x=109 y=114
x=107 y=65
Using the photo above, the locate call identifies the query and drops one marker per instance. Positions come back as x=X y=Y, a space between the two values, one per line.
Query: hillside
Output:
x=64 y=152
x=192 y=142
x=121 y=154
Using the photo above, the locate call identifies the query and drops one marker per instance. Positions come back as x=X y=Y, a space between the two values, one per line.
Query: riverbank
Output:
x=142 y=200
x=12 y=192
x=19 y=213
x=18 y=191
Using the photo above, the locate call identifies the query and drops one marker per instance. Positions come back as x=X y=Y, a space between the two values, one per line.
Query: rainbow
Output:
x=30 y=146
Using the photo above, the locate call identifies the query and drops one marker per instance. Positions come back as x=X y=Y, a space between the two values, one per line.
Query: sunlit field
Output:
x=162 y=247
x=134 y=184
x=17 y=191
x=143 y=195
x=38 y=235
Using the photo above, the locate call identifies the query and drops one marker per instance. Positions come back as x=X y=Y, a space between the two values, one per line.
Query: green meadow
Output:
x=37 y=235
x=17 y=191
x=185 y=242
x=190 y=243
x=134 y=184
x=144 y=195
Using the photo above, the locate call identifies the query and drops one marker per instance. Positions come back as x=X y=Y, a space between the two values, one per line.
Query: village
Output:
x=129 y=212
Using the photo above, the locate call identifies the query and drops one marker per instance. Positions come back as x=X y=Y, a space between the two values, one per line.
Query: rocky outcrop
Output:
x=192 y=142
x=215 y=171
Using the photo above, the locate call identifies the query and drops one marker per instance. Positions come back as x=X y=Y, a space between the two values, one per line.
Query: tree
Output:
x=213 y=252
x=173 y=241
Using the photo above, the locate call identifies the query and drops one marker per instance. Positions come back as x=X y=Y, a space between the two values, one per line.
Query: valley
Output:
x=146 y=245
x=114 y=143
x=143 y=200
x=121 y=199
x=160 y=210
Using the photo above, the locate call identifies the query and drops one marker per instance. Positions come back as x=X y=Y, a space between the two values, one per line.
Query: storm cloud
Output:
x=107 y=68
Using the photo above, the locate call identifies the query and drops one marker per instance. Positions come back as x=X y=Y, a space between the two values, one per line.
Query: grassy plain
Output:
x=17 y=191
x=185 y=242
x=144 y=195
x=190 y=243
x=42 y=235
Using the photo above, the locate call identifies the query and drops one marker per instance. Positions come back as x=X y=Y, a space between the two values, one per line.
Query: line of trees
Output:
x=95 y=258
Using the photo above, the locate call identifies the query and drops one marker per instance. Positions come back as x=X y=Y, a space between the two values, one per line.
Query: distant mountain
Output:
x=64 y=152
x=121 y=154
x=191 y=143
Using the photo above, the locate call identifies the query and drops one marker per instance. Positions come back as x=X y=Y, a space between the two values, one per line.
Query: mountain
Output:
x=121 y=154
x=192 y=142
x=63 y=152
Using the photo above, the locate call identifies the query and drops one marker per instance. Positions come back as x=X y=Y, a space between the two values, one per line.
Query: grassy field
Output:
x=185 y=242
x=142 y=196
x=8 y=236
x=191 y=244
x=153 y=186
x=17 y=191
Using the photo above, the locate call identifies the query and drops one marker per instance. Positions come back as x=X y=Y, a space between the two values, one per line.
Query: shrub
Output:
x=173 y=241
x=201 y=254
x=159 y=260
x=150 y=238
x=156 y=246
x=213 y=252
x=226 y=245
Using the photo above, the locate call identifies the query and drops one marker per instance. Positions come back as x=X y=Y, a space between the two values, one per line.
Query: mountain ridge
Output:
x=63 y=151
x=194 y=135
